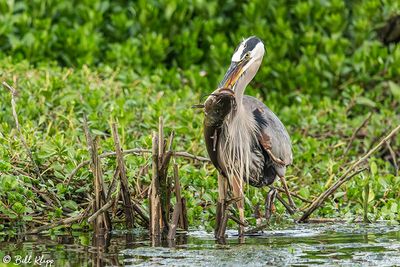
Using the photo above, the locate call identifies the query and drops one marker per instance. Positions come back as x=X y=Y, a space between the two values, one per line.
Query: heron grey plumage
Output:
x=246 y=141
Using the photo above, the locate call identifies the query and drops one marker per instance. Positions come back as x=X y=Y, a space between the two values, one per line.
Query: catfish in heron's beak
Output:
x=218 y=106
x=234 y=72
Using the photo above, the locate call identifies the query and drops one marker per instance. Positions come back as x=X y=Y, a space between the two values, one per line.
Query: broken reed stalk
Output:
x=168 y=178
x=126 y=196
x=114 y=191
x=184 y=223
x=162 y=178
x=177 y=214
x=164 y=182
x=102 y=224
x=155 y=207
x=346 y=176
x=160 y=190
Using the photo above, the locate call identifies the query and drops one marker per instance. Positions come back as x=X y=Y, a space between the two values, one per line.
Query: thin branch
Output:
x=55 y=224
x=285 y=204
x=101 y=210
x=15 y=115
x=257 y=229
x=136 y=151
x=190 y=156
x=321 y=199
x=237 y=220
x=365 y=122
x=346 y=176
x=393 y=155
x=293 y=194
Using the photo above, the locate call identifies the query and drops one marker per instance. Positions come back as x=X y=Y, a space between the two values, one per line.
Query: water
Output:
x=296 y=245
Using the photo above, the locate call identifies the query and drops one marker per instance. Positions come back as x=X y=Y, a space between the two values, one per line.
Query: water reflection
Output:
x=324 y=244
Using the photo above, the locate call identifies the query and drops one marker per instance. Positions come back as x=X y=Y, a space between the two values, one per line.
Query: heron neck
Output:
x=239 y=88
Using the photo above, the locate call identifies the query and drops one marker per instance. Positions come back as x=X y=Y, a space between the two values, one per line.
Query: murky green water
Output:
x=297 y=245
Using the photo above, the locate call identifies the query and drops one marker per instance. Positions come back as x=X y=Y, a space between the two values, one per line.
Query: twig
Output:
x=365 y=122
x=320 y=200
x=393 y=155
x=346 y=176
x=237 y=220
x=257 y=229
x=293 y=194
x=330 y=220
x=142 y=215
x=184 y=154
x=285 y=204
x=55 y=224
x=129 y=217
x=137 y=151
x=101 y=210
x=14 y=112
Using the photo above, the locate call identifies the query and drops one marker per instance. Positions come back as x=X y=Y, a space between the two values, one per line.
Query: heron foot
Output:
x=269 y=203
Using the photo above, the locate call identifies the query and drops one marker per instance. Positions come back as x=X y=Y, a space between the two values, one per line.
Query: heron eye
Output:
x=247 y=55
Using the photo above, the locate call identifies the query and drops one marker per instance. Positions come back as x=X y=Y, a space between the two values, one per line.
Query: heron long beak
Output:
x=232 y=75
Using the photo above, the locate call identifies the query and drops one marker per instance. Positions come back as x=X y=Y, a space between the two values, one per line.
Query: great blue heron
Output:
x=245 y=140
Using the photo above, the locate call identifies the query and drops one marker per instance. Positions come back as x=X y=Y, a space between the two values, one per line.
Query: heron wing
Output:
x=273 y=134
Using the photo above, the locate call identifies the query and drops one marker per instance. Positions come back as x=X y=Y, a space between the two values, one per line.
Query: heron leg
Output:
x=221 y=205
x=291 y=202
x=237 y=191
x=269 y=203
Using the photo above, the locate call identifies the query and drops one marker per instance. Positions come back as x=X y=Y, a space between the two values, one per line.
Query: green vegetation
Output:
x=323 y=72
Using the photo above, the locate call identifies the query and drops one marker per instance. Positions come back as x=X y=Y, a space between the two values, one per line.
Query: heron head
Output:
x=220 y=103
x=244 y=65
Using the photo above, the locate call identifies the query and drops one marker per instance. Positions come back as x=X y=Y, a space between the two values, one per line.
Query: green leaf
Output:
x=374 y=168
x=395 y=89
x=361 y=100
x=27 y=218
x=18 y=208
x=70 y=204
